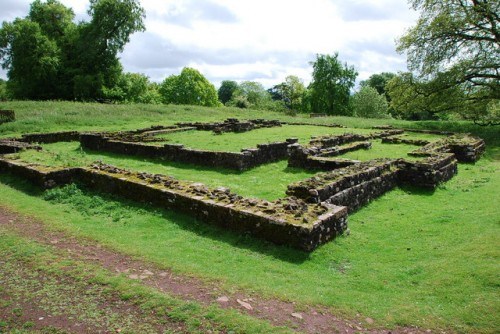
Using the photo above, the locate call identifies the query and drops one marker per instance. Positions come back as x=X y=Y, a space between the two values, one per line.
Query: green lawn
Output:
x=413 y=257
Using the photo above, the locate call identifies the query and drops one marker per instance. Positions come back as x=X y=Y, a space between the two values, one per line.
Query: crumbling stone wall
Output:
x=465 y=147
x=399 y=140
x=429 y=172
x=8 y=146
x=51 y=137
x=7 y=116
x=289 y=221
x=246 y=159
x=233 y=125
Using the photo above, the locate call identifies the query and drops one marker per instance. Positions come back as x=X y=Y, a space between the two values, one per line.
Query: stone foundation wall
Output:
x=233 y=125
x=41 y=176
x=323 y=186
x=288 y=221
x=52 y=137
x=329 y=141
x=7 y=116
x=399 y=140
x=429 y=172
x=246 y=159
x=466 y=148
x=8 y=146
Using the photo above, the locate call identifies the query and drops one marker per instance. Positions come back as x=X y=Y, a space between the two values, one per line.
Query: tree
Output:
x=48 y=56
x=291 y=92
x=226 y=90
x=416 y=99
x=378 y=81
x=456 y=43
x=368 y=103
x=331 y=85
x=32 y=60
x=190 y=87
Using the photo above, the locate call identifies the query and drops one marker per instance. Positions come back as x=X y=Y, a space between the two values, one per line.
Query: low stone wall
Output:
x=288 y=221
x=246 y=159
x=41 y=176
x=314 y=124
x=7 y=116
x=429 y=172
x=233 y=125
x=466 y=148
x=8 y=146
x=399 y=140
x=346 y=138
x=51 y=137
x=307 y=158
x=323 y=186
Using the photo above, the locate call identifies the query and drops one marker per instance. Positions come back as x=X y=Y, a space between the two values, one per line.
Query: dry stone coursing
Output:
x=289 y=221
x=246 y=159
x=8 y=146
x=233 y=125
x=51 y=137
x=465 y=147
x=400 y=140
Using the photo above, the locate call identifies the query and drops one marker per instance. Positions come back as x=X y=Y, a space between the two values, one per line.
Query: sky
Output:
x=256 y=40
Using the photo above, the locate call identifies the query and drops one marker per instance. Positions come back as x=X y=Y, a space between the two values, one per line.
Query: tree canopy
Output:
x=456 y=45
x=189 y=87
x=47 y=55
x=331 y=85
x=369 y=103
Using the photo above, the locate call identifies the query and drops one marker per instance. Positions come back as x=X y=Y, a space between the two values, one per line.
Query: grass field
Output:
x=413 y=257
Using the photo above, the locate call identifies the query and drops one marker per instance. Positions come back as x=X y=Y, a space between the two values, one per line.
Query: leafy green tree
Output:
x=414 y=99
x=378 y=81
x=189 y=87
x=456 y=43
x=331 y=85
x=32 y=60
x=48 y=56
x=226 y=90
x=369 y=103
x=291 y=92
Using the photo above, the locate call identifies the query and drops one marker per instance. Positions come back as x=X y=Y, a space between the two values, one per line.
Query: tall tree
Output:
x=291 y=92
x=47 y=55
x=457 y=42
x=189 y=87
x=378 y=81
x=331 y=85
x=226 y=90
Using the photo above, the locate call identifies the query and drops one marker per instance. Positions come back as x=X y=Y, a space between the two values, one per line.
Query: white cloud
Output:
x=261 y=40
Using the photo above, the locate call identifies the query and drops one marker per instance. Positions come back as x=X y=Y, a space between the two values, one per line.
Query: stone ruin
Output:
x=315 y=209
x=233 y=125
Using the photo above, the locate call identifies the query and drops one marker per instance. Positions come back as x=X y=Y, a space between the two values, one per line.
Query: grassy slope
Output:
x=413 y=257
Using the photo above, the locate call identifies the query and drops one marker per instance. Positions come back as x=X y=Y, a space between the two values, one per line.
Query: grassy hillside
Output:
x=413 y=257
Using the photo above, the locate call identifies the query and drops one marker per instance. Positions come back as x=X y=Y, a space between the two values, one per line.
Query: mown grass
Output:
x=95 y=298
x=413 y=257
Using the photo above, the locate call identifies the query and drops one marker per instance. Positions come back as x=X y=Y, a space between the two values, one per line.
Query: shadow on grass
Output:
x=416 y=191
x=185 y=222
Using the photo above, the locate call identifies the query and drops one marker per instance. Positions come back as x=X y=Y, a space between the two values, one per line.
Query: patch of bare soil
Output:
x=277 y=312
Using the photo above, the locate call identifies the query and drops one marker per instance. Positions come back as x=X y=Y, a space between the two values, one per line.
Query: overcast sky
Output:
x=257 y=40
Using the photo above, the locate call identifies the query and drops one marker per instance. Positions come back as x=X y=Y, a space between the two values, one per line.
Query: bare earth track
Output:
x=277 y=312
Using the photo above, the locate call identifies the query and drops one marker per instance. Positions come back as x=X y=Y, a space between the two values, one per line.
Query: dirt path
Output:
x=281 y=313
